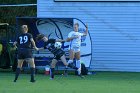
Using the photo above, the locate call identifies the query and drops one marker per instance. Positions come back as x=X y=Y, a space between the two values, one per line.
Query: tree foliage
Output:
x=9 y=14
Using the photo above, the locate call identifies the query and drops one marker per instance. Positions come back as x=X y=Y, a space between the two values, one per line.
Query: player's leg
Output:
x=71 y=56
x=30 y=59
x=32 y=68
x=70 y=61
x=78 y=63
x=19 y=66
x=63 y=59
x=52 y=68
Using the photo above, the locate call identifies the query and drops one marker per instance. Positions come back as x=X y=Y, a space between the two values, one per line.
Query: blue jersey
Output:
x=50 y=46
x=24 y=40
x=58 y=52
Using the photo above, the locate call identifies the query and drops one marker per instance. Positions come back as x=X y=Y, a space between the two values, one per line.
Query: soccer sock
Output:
x=32 y=73
x=17 y=73
x=66 y=70
x=78 y=65
x=52 y=72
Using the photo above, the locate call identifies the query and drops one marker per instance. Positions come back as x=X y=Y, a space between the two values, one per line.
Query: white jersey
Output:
x=75 y=43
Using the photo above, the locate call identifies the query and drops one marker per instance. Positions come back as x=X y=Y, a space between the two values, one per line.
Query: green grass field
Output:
x=101 y=82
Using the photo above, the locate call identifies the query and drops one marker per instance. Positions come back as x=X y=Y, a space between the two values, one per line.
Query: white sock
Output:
x=78 y=65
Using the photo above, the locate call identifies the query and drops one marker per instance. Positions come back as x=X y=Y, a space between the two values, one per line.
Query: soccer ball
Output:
x=58 y=45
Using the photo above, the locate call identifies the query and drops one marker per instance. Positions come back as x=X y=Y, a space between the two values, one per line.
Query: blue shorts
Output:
x=25 y=53
x=59 y=54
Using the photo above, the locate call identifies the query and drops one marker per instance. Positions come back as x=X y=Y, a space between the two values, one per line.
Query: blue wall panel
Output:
x=114 y=28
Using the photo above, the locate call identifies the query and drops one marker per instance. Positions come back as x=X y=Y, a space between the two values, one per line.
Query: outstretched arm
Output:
x=15 y=44
x=71 y=38
x=60 y=40
x=85 y=33
x=34 y=45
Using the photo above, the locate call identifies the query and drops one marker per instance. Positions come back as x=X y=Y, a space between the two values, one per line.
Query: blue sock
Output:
x=32 y=73
x=52 y=72
x=17 y=73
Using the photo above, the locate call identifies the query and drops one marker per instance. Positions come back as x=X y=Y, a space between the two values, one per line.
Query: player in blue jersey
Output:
x=25 y=44
x=59 y=54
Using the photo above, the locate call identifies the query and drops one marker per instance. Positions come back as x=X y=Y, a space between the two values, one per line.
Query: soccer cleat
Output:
x=14 y=81
x=65 y=73
x=32 y=81
x=79 y=71
x=81 y=76
x=51 y=78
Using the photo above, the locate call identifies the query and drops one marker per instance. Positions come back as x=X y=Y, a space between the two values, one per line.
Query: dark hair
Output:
x=39 y=37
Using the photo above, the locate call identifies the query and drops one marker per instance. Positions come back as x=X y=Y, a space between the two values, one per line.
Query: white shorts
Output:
x=75 y=49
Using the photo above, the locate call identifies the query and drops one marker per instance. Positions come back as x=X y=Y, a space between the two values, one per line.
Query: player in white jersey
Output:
x=75 y=43
x=74 y=37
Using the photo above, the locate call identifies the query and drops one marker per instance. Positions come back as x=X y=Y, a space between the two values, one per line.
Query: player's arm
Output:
x=15 y=44
x=70 y=37
x=42 y=48
x=60 y=40
x=85 y=33
x=33 y=43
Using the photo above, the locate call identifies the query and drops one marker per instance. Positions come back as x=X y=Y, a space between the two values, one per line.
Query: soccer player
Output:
x=24 y=43
x=59 y=54
x=74 y=37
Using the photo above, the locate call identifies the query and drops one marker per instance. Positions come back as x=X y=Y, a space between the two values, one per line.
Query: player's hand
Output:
x=60 y=40
x=36 y=48
x=86 y=25
x=42 y=48
x=63 y=41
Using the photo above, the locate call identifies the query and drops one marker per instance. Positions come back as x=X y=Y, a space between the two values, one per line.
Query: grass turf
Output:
x=101 y=82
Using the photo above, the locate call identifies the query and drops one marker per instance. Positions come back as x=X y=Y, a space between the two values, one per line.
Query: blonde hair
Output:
x=77 y=24
x=24 y=26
